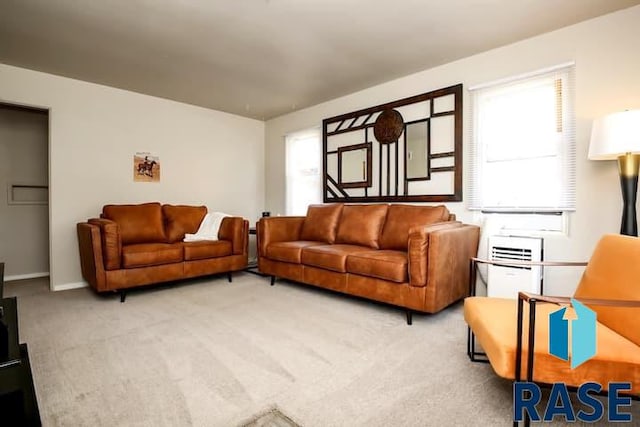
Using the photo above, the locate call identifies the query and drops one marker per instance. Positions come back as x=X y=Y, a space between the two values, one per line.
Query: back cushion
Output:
x=321 y=222
x=179 y=220
x=361 y=225
x=400 y=218
x=613 y=273
x=137 y=223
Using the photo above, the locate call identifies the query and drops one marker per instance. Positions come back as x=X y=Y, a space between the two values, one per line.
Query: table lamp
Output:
x=617 y=136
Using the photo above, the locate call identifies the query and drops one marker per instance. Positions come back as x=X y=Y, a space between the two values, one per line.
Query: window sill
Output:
x=525 y=224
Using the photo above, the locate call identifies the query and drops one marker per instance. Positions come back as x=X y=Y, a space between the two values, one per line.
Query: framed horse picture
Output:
x=146 y=167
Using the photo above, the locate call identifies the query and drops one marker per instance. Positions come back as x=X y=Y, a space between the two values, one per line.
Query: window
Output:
x=523 y=144
x=303 y=158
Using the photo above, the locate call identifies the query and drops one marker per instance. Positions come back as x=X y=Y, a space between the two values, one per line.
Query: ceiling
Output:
x=264 y=58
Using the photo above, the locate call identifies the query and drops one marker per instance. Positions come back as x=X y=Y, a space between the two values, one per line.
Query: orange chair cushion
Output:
x=321 y=222
x=361 y=225
x=614 y=273
x=401 y=218
x=494 y=320
x=381 y=264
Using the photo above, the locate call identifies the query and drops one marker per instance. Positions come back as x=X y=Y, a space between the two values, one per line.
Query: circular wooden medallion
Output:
x=388 y=126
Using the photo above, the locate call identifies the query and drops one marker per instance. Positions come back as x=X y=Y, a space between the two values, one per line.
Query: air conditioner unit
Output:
x=507 y=281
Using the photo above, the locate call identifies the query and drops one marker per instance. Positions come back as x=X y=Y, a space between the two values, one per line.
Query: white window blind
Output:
x=303 y=166
x=523 y=144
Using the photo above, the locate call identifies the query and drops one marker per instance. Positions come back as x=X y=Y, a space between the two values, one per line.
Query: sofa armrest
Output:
x=439 y=255
x=111 y=242
x=91 y=261
x=236 y=230
x=418 y=250
x=278 y=229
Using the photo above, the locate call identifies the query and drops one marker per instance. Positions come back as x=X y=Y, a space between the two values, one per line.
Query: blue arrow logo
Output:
x=583 y=334
x=559 y=334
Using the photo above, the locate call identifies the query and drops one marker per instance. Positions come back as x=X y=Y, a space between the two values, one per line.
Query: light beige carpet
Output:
x=213 y=353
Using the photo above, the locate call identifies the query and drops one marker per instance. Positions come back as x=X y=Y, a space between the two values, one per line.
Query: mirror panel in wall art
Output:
x=406 y=150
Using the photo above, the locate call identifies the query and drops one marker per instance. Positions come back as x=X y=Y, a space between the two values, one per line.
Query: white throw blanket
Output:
x=208 y=228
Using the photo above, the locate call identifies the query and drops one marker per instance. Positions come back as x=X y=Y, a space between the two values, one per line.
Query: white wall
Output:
x=24 y=159
x=605 y=51
x=207 y=157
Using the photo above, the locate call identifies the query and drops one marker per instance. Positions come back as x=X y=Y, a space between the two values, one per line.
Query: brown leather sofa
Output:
x=136 y=245
x=416 y=257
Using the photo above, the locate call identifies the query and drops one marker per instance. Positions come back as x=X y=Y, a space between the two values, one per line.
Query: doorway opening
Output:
x=24 y=203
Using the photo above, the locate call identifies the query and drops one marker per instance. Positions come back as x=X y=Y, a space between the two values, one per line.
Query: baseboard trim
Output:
x=25 y=276
x=69 y=286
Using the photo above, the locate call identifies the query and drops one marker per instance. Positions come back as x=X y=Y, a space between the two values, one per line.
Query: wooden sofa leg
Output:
x=123 y=295
x=409 y=316
x=273 y=280
x=229 y=277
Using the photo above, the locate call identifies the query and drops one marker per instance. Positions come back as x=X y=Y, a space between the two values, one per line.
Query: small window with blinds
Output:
x=303 y=170
x=523 y=144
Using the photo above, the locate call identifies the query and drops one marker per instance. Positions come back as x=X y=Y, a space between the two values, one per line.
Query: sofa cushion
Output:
x=381 y=264
x=207 y=249
x=330 y=257
x=361 y=225
x=321 y=222
x=289 y=251
x=179 y=220
x=137 y=223
x=400 y=218
x=147 y=254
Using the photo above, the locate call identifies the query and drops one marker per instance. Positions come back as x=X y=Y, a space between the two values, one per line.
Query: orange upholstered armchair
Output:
x=610 y=287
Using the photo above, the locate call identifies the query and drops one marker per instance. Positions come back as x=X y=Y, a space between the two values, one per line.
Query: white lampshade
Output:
x=615 y=134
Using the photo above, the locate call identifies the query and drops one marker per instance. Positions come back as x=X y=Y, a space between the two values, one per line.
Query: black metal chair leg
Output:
x=273 y=280
x=409 y=317
x=123 y=296
x=229 y=277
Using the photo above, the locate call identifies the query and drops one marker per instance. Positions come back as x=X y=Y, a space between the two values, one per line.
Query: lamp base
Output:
x=629 y=165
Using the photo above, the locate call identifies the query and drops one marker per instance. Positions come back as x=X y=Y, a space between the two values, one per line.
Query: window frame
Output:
x=565 y=155
x=289 y=139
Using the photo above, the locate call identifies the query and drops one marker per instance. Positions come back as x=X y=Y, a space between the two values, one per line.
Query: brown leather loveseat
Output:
x=136 y=245
x=416 y=257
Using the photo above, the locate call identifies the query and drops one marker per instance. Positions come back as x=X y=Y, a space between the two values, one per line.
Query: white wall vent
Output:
x=507 y=281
